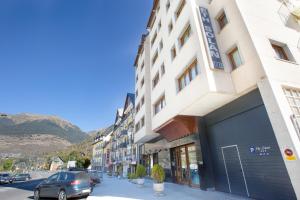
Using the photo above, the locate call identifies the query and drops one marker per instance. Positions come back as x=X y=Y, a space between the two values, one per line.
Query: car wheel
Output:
x=36 y=195
x=62 y=195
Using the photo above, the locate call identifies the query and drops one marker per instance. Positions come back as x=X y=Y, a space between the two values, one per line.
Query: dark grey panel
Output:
x=265 y=172
x=236 y=180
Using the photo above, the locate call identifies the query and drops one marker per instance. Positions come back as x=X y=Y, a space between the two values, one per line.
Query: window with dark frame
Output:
x=142 y=82
x=188 y=75
x=173 y=53
x=155 y=80
x=142 y=122
x=137 y=127
x=185 y=35
x=142 y=101
x=159 y=105
x=137 y=108
x=222 y=20
x=159 y=25
x=153 y=38
x=142 y=66
x=179 y=9
x=170 y=26
x=235 y=58
x=163 y=70
x=280 y=52
x=154 y=58
x=168 y=5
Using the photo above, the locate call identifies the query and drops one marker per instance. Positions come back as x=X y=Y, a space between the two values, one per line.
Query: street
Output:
x=20 y=190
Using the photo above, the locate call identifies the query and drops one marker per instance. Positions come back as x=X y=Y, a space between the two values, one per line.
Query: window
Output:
x=142 y=66
x=137 y=78
x=168 y=5
x=142 y=101
x=155 y=80
x=137 y=127
x=179 y=9
x=143 y=122
x=136 y=93
x=173 y=53
x=185 y=35
x=154 y=58
x=142 y=82
x=280 y=52
x=162 y=69
x=170 y=26
x=138 y=107
x=159 y=25
x=293 y=97
x=159 y=105
x=222 y=20
x=153 y=38
x=235 y=58
x=161 y=45
x=188 y=75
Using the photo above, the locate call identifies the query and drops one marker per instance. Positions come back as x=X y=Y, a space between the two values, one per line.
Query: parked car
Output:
x=21 y=177
x=65 y=185
x=95 y=176
x=5 y=178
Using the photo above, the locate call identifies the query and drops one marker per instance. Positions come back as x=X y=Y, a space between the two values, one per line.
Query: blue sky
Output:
x=70 y=58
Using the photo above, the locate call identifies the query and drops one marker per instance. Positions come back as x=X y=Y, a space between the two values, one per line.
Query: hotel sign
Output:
x=211 y=39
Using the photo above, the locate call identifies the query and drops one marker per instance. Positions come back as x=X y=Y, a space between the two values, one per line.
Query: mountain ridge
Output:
x=24 y=124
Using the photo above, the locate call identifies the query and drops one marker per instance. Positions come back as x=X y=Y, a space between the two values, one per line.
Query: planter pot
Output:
x=158 y=187
x=140 y=181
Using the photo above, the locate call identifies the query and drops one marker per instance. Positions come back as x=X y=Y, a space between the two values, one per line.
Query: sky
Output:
x=69 y=58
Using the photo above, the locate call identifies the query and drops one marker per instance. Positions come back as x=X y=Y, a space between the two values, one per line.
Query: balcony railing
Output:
x=123 y=145
x=296 y=122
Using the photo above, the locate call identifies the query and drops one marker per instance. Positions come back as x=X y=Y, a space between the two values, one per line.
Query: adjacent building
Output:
x=122 y=150
x=217 y=95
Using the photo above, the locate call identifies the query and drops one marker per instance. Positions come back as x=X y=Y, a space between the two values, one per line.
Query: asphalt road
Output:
x=19 y=191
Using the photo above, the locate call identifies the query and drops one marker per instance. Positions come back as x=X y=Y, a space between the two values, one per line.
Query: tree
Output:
x=7 y=165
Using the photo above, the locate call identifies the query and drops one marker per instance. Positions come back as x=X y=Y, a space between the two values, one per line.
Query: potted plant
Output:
x=158 y=175
x=140 y=174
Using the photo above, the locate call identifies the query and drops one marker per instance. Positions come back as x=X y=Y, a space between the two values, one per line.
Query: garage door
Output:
x=245 y=154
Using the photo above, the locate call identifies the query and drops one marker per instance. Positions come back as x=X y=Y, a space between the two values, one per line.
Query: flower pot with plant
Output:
x=140 y=174
x=158 y=175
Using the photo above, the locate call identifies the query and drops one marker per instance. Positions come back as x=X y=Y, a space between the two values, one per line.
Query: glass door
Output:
x=184 y=165
x=193 y=166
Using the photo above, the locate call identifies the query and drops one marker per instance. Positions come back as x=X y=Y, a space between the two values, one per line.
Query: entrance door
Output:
x=234 y=171
x=186 y=167
x=193 y=166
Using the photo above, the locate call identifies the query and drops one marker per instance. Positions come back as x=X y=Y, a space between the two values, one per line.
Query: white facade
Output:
x=252 y=27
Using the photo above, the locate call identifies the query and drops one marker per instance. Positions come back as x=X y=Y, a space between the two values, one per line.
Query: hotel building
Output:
x=218 y=95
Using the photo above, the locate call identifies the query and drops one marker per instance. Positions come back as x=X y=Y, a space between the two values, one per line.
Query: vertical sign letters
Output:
x=211 y=39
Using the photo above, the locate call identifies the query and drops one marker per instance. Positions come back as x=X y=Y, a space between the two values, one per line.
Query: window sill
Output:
x=287 y=61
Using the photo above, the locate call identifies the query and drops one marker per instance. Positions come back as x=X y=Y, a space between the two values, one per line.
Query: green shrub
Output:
x=140 y=171
x=158 y=173
x=129 y=176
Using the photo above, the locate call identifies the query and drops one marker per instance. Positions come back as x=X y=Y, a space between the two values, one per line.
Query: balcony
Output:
x=123 y=133
x=123 y=145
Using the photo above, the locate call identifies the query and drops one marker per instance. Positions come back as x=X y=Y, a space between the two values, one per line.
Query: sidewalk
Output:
x=121 y=189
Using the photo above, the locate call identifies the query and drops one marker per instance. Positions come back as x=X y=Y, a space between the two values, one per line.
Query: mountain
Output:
x=25 y=124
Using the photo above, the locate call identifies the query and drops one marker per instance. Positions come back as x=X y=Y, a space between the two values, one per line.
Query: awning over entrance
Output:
x=178 y=127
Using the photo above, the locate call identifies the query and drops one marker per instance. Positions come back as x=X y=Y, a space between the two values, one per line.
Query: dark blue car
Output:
x=65 y=185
